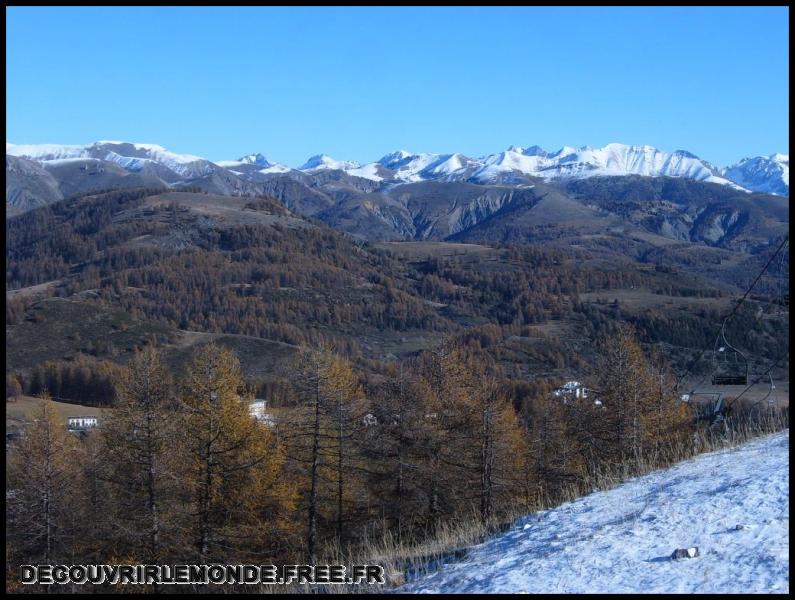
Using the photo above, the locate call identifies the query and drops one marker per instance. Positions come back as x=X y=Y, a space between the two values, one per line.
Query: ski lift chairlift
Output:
x=732 y=365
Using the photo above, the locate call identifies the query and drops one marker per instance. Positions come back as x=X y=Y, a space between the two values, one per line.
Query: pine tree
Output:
x=625 y=388
x=306 y=431
x=670 y=422
x=348 y=409
x=234 y=477
x=554 y=460
x=398 y=449
x=139 y=442
x=325 y=432
x=445 y=372
x=44 y=475
x=97 y=504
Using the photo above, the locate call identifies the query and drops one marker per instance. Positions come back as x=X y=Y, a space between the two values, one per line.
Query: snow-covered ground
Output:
x=621 y=540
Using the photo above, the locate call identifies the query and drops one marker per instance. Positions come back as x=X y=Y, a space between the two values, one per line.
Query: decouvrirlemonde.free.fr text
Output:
x=201 y=574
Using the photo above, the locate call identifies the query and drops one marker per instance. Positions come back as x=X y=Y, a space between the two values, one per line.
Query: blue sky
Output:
x=356 y=83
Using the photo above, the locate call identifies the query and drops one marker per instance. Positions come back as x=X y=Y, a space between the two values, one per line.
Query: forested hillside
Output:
x=165 y=262
x=406 y=383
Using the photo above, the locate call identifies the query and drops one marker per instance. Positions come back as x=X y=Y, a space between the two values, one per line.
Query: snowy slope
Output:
x=413 y=167
x=620 y=540
x=516 y=161
x=513 y=166
x=41 y=152
x=764 y=174
x=369 y=171
x=256 y=159
x=323 y=161
x=613 y=159
x=130 y=156
x=768 y=174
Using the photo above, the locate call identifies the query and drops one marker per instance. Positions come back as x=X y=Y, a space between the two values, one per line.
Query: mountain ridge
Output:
x=768 y=173
x=528 y=193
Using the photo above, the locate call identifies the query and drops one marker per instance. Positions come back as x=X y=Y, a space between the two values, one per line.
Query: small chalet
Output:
x=571 y=389
x=82 y=423
x=257 y=410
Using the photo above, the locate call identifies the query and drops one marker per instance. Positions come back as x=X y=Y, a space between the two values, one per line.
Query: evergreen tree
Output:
x=139 y=438
x=234 y=479
x=44 y=471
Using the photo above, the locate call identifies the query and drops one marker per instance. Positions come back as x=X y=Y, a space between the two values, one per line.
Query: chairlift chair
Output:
x=732 y=365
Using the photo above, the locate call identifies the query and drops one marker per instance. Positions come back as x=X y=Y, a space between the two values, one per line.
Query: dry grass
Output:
x=24 y=409
x=422 y=250
x=637 y=300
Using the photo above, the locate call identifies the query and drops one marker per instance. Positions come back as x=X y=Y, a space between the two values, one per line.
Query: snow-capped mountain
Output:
x=410 y=167
x=130 y=156
x=255 y=159
x=516 y=165
x=402 y=166
x=612 y=159
x=323 y=161
x=396 y=160
x=404 y=195
x=186 y=165
x=42 y=152
x=768 y=174
x=253 y=164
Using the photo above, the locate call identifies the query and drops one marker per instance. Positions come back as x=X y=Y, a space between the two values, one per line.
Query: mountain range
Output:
x=516 y=196
x=375 y=250
x=768 y=174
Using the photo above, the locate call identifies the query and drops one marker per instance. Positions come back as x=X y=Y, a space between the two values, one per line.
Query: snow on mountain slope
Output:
x=369 y=171
x=276 y=168
x=41 y=152
x=613 y=159
x=620 y=540
x=323 y=161
x=448 y=165
x=410 y=168
x=768 y=174
x=513 y=159
x=568 y=162
x=124 y=153
x=396 y=159
x=156 y=153
x=765 y=174
x=131 y=156
x=256 y=159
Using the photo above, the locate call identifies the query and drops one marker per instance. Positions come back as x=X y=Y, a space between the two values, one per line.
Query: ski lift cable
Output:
x=780 y=277
x=778 y=288
x=779 y=299
x=782 y=299
x=734 y=310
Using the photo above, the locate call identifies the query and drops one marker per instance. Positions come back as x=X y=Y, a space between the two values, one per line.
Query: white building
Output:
x=257 y=410
x=81 y=423
x=571 y=389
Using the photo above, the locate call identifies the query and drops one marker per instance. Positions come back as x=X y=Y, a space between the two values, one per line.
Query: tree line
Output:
x=180 y=471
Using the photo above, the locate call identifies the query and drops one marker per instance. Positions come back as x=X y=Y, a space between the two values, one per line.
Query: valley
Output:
x=100 y=275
